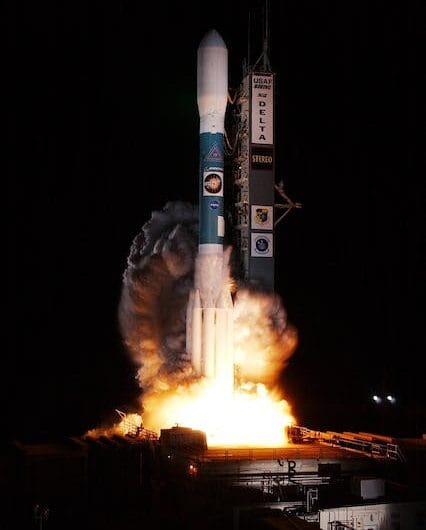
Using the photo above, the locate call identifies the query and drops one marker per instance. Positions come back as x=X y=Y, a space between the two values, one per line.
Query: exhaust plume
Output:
x=152 y=310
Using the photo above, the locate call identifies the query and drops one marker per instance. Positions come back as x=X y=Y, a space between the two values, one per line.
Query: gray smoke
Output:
x=156 y=285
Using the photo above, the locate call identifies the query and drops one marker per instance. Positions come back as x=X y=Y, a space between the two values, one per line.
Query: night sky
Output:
x=103 y=129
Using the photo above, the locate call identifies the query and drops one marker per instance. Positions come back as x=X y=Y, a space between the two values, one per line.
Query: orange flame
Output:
x=253 y=414
x=250 y=417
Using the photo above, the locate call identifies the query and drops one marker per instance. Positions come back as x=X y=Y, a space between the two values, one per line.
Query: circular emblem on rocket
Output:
x=262 y=245
x=213 y=183
x=214 y=205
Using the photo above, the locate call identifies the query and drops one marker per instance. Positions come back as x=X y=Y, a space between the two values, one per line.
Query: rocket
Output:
x=209 y=338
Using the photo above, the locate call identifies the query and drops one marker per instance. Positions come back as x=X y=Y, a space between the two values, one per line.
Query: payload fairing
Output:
x=209 y=320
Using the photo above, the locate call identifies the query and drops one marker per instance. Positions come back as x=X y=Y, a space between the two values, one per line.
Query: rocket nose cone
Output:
x=212 y=39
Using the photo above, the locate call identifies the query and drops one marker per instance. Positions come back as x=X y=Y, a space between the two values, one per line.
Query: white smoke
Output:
x=212 y=273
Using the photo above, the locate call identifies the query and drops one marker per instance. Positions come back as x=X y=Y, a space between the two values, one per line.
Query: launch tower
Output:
x=255 y=211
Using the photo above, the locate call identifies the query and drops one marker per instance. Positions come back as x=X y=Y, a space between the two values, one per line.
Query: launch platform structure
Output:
x=135 y=429
x=260 y=204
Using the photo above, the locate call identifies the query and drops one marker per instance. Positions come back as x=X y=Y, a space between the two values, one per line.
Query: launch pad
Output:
x=310 y=463
x=175 y=481
x=302 y=479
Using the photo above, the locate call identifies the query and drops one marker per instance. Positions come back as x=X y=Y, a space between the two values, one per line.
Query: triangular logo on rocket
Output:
x=214 y=153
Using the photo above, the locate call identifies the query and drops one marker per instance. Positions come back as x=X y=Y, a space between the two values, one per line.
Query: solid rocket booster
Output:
x=209 y=337
x=212 y=95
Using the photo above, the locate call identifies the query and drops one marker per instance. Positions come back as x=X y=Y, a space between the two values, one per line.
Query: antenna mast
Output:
x=263 y=64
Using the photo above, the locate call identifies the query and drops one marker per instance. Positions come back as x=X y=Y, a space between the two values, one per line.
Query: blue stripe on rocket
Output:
x=211 y=188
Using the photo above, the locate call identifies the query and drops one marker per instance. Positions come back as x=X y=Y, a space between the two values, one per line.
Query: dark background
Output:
x=103 y=129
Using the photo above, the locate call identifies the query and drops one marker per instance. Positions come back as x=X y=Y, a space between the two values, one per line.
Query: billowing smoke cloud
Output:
x=156 y=285
x=152 y=309
x=264 y=340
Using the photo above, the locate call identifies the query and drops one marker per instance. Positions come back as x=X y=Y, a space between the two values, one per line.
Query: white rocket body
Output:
x=209 y=339
x=212 y=82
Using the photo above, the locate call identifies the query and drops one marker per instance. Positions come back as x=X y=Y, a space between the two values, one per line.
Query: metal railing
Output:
x=369 y=444
x=340 y=525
